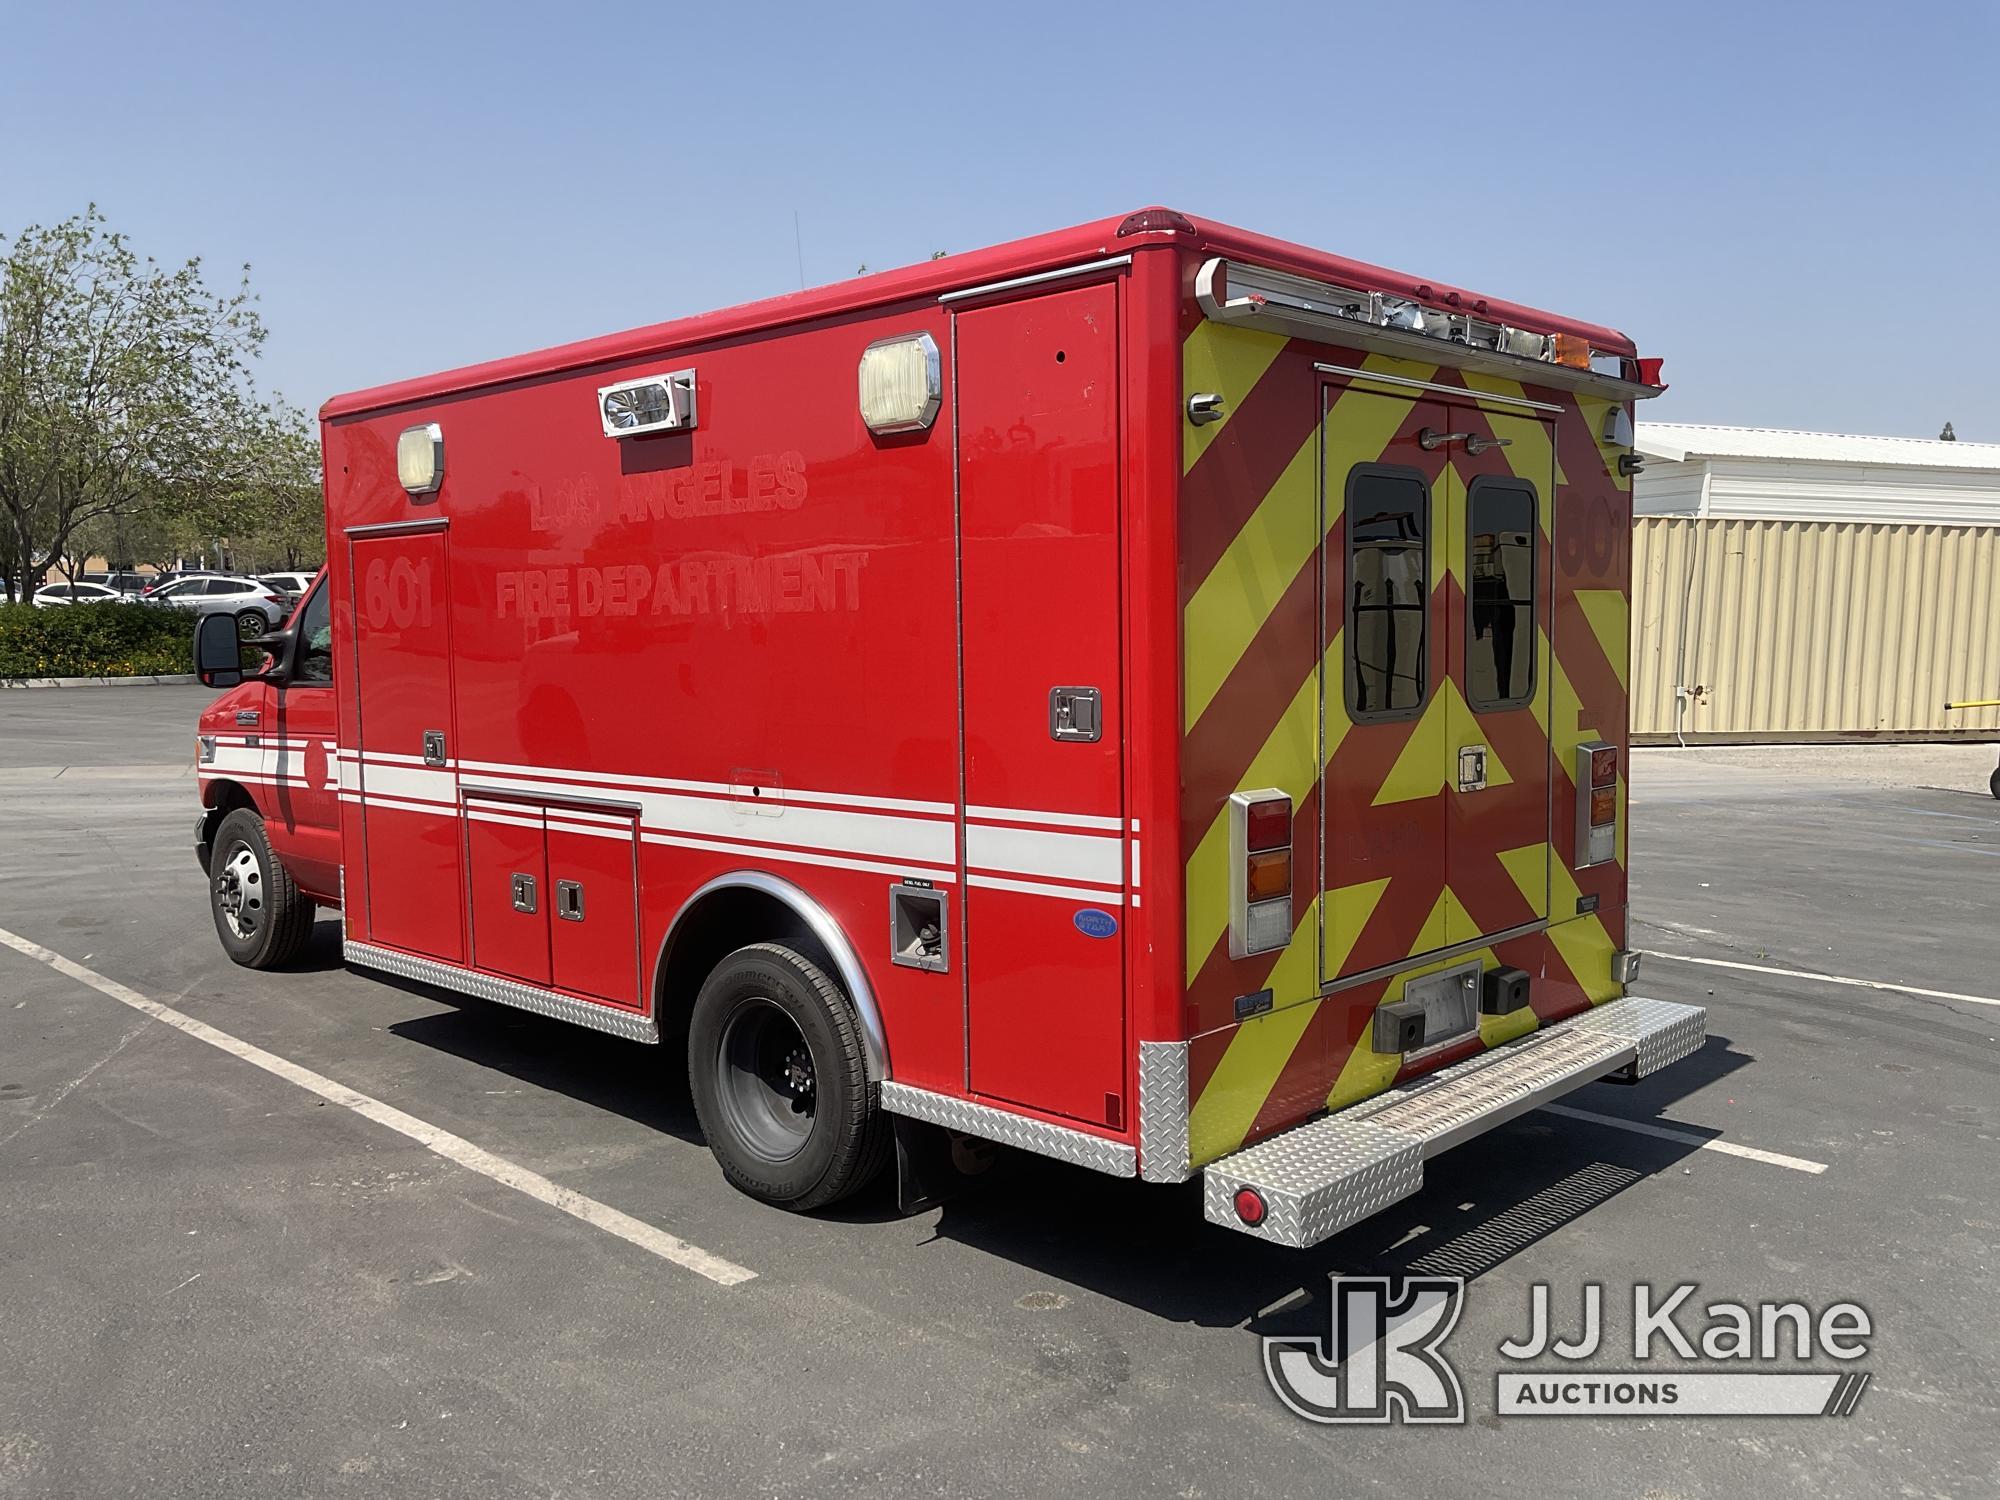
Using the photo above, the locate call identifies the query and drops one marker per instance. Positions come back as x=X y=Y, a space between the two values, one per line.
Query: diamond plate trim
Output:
x=620 y=1023
x=1665 y=1031
x=1078 y=1148
x=1163 y=1111
x=1318 y=1178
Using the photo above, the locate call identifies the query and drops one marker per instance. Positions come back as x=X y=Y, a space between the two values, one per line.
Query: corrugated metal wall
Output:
x=1798 y=630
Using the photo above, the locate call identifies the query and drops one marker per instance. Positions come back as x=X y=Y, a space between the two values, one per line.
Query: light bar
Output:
x=1232 y=292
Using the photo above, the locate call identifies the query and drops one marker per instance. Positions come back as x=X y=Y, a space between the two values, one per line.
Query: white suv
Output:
x=258 y=608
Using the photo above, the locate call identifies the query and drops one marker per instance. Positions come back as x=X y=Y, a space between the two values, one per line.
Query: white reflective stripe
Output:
x=885 y=836
x=586 y=815
x=1135 y=864
x=1135 y=825
x=427 y=782
x=1054 y=819
x=385 y=758
x=400 y=804
x=614 y=782
x=622 y=835
x=1037 y=888
x=513 y=820
x=1028 y=851
x=787 y=856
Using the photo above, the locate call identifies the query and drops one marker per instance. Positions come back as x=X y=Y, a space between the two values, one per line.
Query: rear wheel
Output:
x=251 y=624
x=263 y=919
x=1994 y=784
x=780 y=1080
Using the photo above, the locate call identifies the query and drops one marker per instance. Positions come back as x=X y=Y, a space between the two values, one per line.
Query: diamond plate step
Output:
x=1318 y=1178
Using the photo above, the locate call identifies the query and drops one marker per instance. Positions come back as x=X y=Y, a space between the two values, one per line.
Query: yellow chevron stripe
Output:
x=1257 y=1053
x=1238 y=595
x=1286 y=760
x=1582 y=941
x=1608 y=611
x=1229 y=361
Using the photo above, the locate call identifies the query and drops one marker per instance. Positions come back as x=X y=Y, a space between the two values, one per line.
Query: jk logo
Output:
x=1383 y=1362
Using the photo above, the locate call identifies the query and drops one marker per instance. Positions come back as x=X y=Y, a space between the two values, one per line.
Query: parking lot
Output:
x=223 y=1279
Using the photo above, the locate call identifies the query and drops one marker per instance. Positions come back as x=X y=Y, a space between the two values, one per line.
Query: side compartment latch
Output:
x=524 y=891
x=1076 y=713
x=433 y=747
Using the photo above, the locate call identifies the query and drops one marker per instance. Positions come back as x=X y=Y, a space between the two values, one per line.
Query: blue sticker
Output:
x=1094 y=923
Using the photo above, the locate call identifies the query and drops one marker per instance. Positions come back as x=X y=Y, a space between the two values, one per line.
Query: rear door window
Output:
x=1501 y=528
x=1388 y=592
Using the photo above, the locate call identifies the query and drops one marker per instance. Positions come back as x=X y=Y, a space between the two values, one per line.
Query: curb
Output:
x=176 y=679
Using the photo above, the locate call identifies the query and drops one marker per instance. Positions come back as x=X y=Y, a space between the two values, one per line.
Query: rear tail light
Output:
x=1596 y=803
x=1260 y=866
x=1250 y=1206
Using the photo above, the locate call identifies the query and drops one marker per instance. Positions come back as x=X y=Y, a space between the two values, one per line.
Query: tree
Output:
x=124 y=389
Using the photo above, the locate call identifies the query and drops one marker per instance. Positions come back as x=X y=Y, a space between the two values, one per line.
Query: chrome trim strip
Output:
x=1419 y=960
x=1078 y=1148
x=1428 y=385
x=629 y=1025
x=853 y=978
x=1163 y=1111
x=398 y=528
x=1064 y=274
x=546 y=799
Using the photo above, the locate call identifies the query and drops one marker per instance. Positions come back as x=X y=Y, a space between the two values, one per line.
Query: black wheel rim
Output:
x=249 y=627
x=765 y=1080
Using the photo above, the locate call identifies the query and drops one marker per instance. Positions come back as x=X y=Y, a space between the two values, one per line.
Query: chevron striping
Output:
x=1228 y=361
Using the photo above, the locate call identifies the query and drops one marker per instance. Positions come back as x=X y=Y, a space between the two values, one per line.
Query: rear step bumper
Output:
x=1317 y=1178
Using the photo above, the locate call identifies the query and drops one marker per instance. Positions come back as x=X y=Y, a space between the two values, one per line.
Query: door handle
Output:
x=1472 y=768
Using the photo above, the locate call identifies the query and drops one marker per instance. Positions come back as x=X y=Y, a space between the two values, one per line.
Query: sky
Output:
x=1797 y=206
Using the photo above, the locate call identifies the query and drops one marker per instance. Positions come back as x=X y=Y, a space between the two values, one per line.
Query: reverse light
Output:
x=420 y=458
x=1260 y=872
x=1596 y=803
x=902 y=383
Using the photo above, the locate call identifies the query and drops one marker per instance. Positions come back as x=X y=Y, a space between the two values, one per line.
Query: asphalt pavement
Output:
x=220 y=1282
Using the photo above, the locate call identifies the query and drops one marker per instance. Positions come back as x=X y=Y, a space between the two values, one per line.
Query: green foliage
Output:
x=95 y=640
x=128 y=417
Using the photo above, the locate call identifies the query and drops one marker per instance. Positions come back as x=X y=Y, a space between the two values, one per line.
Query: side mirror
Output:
x=218 y=651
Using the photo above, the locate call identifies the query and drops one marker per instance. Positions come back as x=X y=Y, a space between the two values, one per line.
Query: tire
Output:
x=1994 y=784
x=252 y=623
x=779 y=1075
x=263 y=919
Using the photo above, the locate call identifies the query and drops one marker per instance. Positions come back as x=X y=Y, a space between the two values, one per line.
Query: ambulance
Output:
x=1150 y=694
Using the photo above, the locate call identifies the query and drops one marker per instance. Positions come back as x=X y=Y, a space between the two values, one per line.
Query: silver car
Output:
x=257 y=606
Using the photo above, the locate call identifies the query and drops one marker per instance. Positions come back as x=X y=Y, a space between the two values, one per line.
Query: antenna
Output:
x=799 y=244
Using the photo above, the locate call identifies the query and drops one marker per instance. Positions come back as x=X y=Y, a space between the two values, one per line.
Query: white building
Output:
x=1768 y=474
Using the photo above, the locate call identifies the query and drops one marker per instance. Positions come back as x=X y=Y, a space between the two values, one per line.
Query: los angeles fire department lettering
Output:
x=785 y=584
x=715 y=487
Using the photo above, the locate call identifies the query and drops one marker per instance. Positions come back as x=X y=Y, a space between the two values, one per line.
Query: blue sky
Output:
x=1797 y=206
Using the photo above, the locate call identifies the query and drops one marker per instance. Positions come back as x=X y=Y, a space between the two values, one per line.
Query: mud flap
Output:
x=933 y=1163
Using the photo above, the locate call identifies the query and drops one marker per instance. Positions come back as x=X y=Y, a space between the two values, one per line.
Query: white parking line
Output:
x=1666 y=1133
x=431 y=1137
x=1865 y=984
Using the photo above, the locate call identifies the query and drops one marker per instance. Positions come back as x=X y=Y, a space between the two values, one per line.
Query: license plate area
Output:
x=1450 y=999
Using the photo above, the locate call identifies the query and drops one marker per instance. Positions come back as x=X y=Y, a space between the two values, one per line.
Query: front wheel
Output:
x=779 y=1074
x=1994 y=784
x=263 y=919
x=251 y=624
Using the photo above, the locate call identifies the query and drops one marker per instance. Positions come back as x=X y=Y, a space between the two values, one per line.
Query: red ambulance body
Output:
x=1148 y=694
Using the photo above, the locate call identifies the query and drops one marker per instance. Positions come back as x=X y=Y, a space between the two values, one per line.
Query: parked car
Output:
x=294 y=584
x=49 y=596
x=257 y=606
x=130 y=584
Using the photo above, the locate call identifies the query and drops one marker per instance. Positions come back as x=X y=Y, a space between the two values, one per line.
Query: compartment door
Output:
x=411 y=850
x=593 y=914
x=507 y=842
x=1044 y=848
x=1386 y=659
x=1498 y=780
